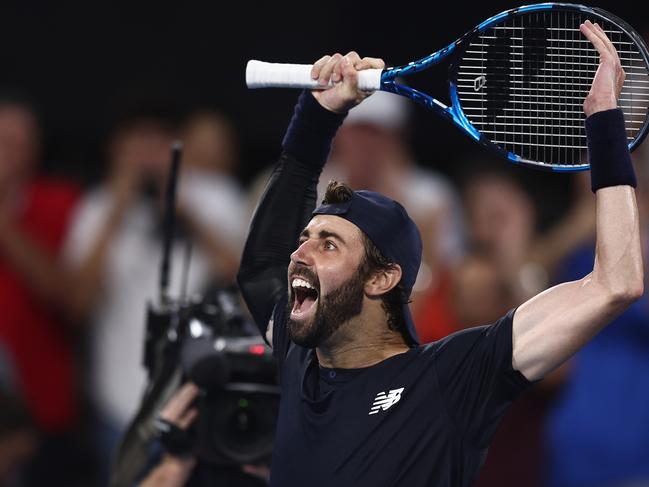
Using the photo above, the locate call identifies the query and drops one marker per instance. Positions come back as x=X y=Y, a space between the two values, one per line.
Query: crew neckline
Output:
x=338 y=375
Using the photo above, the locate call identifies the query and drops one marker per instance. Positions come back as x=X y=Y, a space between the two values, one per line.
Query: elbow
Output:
x=635 y=292
x=629 y=293
x=244 y=270
x=621 y=286
x=635 y=288
x=240 y=278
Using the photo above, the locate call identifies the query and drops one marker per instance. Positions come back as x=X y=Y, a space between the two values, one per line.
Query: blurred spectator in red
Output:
x=502 y=226
x=481 y=293
x=371 y=151
x=34 y=215
x=115 y=247
x=501 y=221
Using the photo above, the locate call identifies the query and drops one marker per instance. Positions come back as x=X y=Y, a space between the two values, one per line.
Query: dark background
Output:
x=83 y=62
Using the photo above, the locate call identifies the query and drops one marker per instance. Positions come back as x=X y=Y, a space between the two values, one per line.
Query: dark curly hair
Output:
x=373 y=261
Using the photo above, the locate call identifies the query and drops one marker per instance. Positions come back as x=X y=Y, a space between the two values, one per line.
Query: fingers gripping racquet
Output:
x=517 y=82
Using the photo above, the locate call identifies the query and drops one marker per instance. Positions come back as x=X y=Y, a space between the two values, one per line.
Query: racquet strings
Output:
x=522 y=84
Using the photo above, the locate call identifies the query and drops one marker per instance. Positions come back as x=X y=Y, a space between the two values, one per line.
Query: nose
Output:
x=303 y=254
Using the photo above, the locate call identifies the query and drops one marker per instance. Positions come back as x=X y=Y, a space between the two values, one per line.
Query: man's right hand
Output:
x=343 y=71
x=179 y=410
x=174 y=470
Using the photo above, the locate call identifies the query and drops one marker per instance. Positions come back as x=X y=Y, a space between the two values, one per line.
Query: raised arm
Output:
x=290 y=195
x=553 y=325
x=284 y=209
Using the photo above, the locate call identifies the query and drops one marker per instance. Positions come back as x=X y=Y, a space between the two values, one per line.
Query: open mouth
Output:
x=305 y=295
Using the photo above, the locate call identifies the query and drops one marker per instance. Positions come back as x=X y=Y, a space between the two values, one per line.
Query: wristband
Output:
x=176 y=441
x=608 y=151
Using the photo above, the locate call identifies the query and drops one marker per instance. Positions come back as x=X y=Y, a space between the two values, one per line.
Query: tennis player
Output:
x=363 y=403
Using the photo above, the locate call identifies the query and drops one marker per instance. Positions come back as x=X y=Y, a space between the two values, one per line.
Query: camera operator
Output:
x=179 y=465
x=175 y=469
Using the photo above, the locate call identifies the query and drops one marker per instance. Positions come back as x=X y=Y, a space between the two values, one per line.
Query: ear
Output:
x=383 y=281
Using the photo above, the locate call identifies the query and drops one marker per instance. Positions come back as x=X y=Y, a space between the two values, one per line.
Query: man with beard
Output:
x=362 y=404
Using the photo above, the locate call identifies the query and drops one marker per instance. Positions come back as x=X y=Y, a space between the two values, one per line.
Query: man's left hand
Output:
x=609 y=79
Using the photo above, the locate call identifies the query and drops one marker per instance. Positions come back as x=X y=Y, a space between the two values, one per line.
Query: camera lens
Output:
x=240 y=428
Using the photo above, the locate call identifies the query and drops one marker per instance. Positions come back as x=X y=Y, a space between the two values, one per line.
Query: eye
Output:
x=330 y=245
x=301 y=240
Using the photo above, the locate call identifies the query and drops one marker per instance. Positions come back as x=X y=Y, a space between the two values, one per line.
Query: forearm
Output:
x=618 y=260
x=285 y=207
x=172 y=472
x=88 y=275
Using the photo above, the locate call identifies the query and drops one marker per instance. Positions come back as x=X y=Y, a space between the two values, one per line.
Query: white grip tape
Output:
x=277 y=75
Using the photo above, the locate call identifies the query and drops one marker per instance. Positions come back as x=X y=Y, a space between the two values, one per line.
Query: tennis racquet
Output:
x=517 y=82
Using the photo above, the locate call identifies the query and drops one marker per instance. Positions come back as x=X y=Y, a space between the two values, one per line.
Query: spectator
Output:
x=502 y=225
x=500 y=228
x=597 y=432
x=508 y=262
x=115 y=251
x=34 y=216
x=211 y=156
x=178 y=470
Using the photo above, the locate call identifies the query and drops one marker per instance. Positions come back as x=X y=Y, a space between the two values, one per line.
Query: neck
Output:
x=361 y=342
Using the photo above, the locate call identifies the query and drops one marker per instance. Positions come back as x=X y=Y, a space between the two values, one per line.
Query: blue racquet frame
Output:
x=454 y=112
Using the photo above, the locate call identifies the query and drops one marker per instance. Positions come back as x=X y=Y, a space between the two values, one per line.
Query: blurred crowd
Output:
x=78 y=265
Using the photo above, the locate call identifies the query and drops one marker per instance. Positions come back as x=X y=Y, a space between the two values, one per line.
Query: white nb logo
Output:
x=384 y=401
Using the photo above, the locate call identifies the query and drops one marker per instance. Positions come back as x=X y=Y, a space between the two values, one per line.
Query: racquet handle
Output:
x=276 y=75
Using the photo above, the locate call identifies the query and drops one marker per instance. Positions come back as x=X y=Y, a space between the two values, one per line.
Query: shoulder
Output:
x=464 y=341
x=86 y=221
x=49 y=207
x=56 y=194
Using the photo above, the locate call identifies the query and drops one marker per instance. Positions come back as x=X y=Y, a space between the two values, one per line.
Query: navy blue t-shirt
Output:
x=421 y=418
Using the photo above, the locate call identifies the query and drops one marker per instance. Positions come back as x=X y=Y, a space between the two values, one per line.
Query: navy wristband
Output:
x=608 y=152
x=175 y=440
x=312 y=128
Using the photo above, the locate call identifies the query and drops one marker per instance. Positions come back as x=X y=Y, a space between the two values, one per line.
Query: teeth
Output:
x=297 y=282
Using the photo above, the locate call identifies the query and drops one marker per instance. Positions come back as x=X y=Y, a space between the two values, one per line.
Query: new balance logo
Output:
x=384 y=401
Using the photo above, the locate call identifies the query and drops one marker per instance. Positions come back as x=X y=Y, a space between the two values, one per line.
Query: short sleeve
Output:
x=86 y=222
x=46 y=207
x=477 y=379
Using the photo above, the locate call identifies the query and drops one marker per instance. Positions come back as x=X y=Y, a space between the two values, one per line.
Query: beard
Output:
x=334 y=309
